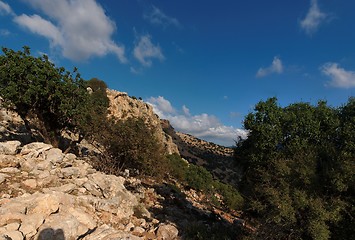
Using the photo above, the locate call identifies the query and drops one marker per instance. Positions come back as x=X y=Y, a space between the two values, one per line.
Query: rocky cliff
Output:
x=122 y=106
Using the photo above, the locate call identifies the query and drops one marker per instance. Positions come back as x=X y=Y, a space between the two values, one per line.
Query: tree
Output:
x=52 y=97
x=298 y=169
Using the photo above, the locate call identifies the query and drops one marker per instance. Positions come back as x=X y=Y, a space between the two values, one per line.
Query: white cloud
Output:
x=40 y=26
x=145 y=51
x=5 y=9
x=314 y=18
x=203 y=126
x=185 y=110
x=276 y=67
x=157 y=17
x=340 y=77
x=80 y=28
x=161 y=105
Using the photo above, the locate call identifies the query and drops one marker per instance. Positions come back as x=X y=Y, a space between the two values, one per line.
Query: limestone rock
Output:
x=167 y=232
x=54 y=155
x=9 y=147
x=122 y=107
x=3 y=177
x=31 y=183
x=104 y=232
x=51 y=195
x=9 y=161
x=35 y=149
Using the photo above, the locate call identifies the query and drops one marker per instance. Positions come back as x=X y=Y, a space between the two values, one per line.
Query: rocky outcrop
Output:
x=122 y=107
x=46 y=194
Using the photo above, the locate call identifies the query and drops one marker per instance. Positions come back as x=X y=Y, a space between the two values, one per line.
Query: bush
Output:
x=177 y=167
x=131 y=144
x=199 y=178
x=231 y=197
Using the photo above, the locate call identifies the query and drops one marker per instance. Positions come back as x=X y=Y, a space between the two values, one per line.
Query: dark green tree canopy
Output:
x=35 y=88
x=298 y=169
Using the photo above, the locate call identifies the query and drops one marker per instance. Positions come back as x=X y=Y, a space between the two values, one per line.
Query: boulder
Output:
x=54 y=155
x=10 y=147
x=35 y=149
x=167 y=232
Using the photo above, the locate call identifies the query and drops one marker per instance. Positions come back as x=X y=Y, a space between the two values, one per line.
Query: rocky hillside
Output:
x=46 y=194
x=217 y=159
x=123 y=106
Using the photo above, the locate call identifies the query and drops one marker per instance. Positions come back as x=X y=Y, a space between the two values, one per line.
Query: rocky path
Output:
x=45 y=194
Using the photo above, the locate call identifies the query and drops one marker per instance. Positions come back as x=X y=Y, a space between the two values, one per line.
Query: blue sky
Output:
x=202 y=64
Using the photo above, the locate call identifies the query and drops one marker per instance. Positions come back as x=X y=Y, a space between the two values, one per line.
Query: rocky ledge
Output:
x=46 y=194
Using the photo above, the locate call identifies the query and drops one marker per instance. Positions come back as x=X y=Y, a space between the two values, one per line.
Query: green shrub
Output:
x=177 y=167
x=199 y=178
x=231 y=197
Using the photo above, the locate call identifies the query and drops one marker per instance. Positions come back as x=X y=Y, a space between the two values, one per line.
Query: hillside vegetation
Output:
x=292 y=178
x=298 y=170
x=60 y=108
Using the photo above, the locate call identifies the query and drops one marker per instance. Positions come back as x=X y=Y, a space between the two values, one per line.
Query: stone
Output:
x=31 y=183
x=9 y=170
x=105 y=232
x=44 y=166
x=11 y=235
x=83 y=217
x=30 y=224
x=35 y=149
x=71 y=226
x=110 y=185
x=69 y=157
x=70 y=172
x=10 y=147
x=167 y=232
x=66 y=188
x=12 y=226
x=44 y=204
x=54 y=155
x=138 y=230
x=3 y=177
x=9 y=161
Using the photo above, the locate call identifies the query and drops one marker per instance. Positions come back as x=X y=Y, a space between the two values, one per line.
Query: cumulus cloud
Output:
x=157 y=17
x=203 y=126
x=40 y=26
x=314 y=18
x=185 y=110
x=144 y=51
x=80 y=28
x=339 y=77
x=161 y=105
x=276 y=67
x=5 y=9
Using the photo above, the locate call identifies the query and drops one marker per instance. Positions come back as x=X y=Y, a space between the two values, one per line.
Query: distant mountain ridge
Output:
x=219 y=160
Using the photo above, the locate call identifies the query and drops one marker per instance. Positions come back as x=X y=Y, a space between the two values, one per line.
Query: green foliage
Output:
x=214 y=231
x=94 y=117
x=131 y=144
x=177 y=167
x=35 y=88
x=231 y=197
x=199 y=178
x=298 y=169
